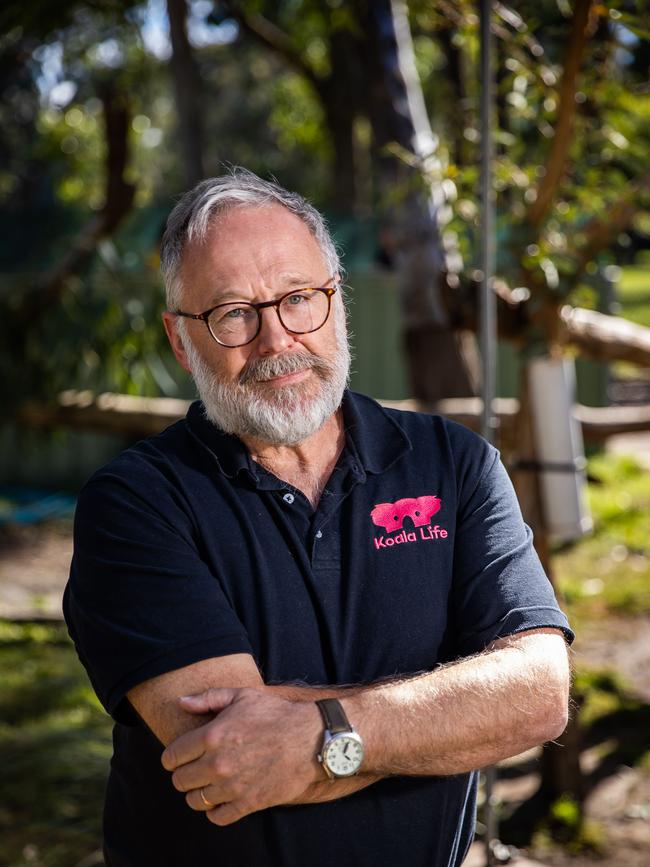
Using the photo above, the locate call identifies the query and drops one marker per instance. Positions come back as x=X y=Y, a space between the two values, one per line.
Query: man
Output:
x=290 y=543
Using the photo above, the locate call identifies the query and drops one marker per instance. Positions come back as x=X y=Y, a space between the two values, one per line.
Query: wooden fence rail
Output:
x=135 y=417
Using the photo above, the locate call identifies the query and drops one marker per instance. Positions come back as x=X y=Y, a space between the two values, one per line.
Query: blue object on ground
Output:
x=23 y=505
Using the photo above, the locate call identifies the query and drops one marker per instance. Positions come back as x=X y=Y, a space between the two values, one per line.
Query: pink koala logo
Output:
x=391 y=516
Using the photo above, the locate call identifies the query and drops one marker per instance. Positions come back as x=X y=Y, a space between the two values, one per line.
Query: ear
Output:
x=169 y=321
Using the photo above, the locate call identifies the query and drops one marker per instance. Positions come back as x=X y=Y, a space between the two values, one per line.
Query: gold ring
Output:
x=207 y=803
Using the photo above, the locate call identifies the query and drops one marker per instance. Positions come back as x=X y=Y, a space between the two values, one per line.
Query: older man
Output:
x=311 y=618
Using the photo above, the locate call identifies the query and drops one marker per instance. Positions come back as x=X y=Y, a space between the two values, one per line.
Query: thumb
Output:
x=208 y=701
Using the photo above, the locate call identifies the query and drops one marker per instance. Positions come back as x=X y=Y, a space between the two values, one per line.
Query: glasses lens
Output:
x=233 y=324
x=304 y=311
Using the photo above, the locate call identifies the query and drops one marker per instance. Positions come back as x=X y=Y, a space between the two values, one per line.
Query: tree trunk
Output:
x=411 y=203
x=338 y=96
x=187 y=86
x=455 y=80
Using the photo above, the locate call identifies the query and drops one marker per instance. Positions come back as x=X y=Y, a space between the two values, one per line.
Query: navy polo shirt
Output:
x=186 y=549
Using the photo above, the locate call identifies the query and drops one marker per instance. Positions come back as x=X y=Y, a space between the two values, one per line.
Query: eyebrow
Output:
x=290 y=281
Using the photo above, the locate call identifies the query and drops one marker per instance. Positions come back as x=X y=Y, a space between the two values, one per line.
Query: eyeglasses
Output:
x=239 y=322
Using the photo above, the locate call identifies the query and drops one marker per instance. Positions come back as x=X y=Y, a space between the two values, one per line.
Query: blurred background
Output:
x=110 y=110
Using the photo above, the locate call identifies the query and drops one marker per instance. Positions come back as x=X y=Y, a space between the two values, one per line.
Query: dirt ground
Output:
x=34 y=564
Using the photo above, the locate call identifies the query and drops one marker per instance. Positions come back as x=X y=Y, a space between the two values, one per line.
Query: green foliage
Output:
x=565 y=811
x=566 y=825
x=267 y=109
x=609 y=146
x=634 y=294
x=609 y=570
x=106 y=335
x=600 y=693
x=54 y=749
x=264 y=116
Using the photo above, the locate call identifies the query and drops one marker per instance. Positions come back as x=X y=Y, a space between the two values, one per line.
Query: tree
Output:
x=187 y=86
x=34 y=303
x=409 y=173
x=334 y=73
x=369 y=72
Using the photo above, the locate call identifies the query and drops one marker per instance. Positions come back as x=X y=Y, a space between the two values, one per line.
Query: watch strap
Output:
x=333 y=715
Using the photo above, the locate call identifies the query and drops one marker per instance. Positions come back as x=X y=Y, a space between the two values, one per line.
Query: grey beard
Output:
x=246 y=408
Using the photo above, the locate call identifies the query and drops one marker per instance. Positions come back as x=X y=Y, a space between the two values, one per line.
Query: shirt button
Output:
x=319 y=534
x=288 y=498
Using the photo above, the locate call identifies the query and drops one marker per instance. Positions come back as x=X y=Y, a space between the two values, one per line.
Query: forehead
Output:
x=252 y=246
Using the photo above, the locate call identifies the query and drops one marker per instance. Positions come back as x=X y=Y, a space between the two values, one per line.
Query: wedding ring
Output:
x=207 y=803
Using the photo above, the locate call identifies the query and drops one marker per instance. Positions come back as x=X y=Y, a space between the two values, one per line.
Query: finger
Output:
x=209 y=801
x=190 y=745
x=194 y=775
x=211 y=700
x=227 y=814
x=187 y=747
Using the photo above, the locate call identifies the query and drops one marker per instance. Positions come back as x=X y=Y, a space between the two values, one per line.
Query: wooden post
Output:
x=560 y=766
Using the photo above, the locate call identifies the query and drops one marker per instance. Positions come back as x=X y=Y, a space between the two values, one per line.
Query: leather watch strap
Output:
x=333 y=715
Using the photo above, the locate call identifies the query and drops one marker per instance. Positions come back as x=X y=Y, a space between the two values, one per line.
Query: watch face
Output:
x=343 y=754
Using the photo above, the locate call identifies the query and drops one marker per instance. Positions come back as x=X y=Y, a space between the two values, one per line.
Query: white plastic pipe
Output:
x=559 y=448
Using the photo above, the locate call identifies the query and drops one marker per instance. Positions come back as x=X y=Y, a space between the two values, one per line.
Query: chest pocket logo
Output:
x=419 y=510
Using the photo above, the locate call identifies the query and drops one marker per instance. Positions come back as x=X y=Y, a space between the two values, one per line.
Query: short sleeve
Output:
x=140 y=600
x=499 y=585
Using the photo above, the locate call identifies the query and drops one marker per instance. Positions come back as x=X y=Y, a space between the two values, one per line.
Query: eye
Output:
x=234 y=314
x=296 y=299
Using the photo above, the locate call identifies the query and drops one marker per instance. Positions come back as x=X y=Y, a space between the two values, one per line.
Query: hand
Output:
x=258 y=752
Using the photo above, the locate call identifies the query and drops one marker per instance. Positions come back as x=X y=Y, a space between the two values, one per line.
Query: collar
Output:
x=375 y=435
x=229 y=451
x=374 y=438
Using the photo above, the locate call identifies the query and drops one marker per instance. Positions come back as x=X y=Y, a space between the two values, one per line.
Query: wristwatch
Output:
x=342 y=751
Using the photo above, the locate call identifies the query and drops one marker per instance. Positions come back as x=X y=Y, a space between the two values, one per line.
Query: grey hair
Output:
x=190 y=219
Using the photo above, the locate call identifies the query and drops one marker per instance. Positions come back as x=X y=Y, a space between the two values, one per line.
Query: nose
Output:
x=273 y=337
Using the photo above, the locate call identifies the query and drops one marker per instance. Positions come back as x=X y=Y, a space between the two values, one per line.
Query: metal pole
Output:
x=488 y=335
x=488 y=330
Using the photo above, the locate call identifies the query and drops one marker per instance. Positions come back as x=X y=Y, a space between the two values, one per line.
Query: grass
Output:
x=633 y=299
x=609 y=571
x=55 y=745
x=634 y=294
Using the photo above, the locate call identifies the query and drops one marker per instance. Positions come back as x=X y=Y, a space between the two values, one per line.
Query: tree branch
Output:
x=602 y=231
x=595 y=335
x=271 y=36
x=557 y=158
x=606 y=338
x=117 y=203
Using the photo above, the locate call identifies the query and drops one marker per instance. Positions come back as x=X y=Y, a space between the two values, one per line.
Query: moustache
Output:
x=266 y=368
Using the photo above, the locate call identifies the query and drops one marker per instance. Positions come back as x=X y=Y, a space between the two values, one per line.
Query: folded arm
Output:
x=468 y=714
x=159 y=703
x=251 y=746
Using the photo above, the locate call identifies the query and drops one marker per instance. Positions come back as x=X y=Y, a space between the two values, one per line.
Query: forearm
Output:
x=327 y=789
x=466 y=715
x=307 y=692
